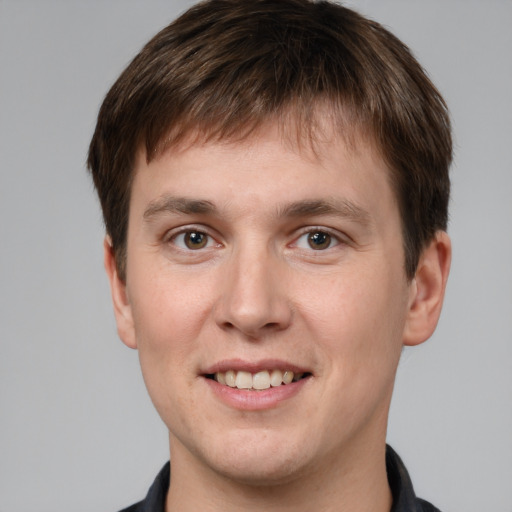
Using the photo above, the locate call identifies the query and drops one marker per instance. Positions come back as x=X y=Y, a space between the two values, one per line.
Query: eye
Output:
x=192 y=240
x=317 y=240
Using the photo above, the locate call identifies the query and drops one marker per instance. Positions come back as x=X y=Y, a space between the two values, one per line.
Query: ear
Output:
x=427 y=290
x=122 y=307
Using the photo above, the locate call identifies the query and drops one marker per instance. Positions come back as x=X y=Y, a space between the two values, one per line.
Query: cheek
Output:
x=169 y=310
x=168 y=317
x=358 y=317
x=166 y=321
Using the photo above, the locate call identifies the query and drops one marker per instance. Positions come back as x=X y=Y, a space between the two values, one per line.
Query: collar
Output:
x=404 y=498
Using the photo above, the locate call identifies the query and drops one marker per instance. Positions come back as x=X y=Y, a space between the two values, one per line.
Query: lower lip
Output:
x=247 y=400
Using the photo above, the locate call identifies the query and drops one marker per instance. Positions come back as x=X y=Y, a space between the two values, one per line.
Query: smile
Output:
x=256 y=381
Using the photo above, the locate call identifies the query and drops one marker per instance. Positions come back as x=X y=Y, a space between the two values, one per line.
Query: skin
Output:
x=257 y=293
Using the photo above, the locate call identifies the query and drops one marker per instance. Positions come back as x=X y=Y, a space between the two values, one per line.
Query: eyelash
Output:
x=334 y=239
x=172 y=237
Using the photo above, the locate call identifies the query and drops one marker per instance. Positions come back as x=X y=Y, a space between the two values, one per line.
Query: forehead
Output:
x=275 y=164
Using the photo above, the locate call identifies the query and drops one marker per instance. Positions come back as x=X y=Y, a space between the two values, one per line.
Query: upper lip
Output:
x=253 y=366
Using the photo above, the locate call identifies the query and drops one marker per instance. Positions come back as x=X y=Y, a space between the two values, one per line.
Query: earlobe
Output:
x=122 y=307
x=427 y=290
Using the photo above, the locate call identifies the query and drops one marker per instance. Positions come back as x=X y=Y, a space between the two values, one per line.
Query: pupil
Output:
x=195 y=240
x=319 y=240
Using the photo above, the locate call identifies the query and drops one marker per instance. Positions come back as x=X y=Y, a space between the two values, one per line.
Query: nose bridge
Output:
x=254 y=298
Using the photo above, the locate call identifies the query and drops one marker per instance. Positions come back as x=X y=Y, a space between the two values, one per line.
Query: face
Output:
x=266 y=295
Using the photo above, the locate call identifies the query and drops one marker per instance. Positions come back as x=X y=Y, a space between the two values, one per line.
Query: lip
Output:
x=254 y=366
x=249 y=400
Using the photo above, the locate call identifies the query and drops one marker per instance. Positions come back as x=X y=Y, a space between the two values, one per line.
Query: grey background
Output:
x=77 y=430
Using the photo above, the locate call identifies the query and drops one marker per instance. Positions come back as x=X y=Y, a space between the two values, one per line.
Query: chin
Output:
x=262 y=460
x=262 y=473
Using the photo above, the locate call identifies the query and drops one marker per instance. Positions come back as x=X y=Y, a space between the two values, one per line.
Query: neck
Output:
x=356 y=481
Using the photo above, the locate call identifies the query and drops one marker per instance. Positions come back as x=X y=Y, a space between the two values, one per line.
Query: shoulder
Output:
x=426 y=506
x=404 y=497
x=155 y=499
x=134 y=508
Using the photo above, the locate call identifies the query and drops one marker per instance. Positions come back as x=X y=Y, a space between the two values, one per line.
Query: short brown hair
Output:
x=226 y=67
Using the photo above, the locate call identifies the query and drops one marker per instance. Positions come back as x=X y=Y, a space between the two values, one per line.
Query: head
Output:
x=274 y=181
x=225 y=68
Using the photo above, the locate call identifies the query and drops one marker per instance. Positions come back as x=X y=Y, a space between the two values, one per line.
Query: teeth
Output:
x=276 y=378
x=221 y=378
x=243 y=380
x=287 y=377
x=230 y=378
x=258 y=381
x=261 y=380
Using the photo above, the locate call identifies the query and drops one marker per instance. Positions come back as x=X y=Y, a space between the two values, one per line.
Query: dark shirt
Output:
x=404 y=499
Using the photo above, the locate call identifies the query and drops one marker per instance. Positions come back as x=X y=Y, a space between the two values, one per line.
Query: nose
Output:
x=254 y=299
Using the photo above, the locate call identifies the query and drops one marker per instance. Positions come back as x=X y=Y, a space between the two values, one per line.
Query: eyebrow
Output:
x=306 y=208
x=171 y=204
x=336 y=207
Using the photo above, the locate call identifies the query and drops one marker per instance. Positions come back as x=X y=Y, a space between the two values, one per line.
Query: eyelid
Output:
x=173 y=233
x=337 y=237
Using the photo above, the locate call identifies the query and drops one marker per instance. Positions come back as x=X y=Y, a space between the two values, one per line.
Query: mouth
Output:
x=259 y=381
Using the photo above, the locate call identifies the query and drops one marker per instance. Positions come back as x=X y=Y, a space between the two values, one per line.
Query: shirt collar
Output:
x=404 y=499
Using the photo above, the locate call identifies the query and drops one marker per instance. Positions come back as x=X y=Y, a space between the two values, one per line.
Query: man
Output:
x=274 y=181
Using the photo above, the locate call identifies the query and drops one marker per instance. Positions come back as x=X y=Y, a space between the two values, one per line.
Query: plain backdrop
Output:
x=77 y=429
